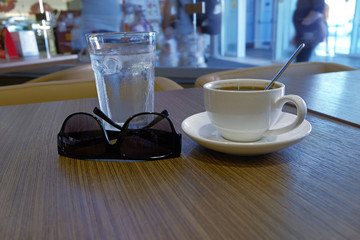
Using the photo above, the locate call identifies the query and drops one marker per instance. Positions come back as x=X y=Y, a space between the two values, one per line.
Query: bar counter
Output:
x=26 y=63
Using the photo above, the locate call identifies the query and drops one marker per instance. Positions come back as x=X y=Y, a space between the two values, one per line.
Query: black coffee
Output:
x=242 y=88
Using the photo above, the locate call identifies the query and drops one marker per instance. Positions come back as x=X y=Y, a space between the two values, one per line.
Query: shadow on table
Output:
x=209 y=156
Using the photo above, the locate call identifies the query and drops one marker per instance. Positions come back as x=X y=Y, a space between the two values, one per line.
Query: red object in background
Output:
x=7 y=5
x=35 y=8
x=7 y=44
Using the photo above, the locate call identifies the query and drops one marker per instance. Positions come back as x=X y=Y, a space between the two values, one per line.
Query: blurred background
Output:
x=250 y=32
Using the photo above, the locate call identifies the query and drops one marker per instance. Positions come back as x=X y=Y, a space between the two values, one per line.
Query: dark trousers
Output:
x=305 y=54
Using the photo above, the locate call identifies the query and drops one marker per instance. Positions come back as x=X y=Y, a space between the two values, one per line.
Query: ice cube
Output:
x=111 y=65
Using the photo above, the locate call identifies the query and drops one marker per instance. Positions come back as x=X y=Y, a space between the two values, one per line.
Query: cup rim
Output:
x=120 y=33
x=210 y=85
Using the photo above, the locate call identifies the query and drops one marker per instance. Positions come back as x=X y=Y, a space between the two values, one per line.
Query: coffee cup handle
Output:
x=300 y=116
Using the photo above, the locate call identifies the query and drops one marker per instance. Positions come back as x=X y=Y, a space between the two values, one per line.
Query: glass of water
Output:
x=124 y=69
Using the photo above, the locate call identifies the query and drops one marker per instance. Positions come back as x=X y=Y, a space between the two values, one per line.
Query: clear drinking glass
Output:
x=124 y=69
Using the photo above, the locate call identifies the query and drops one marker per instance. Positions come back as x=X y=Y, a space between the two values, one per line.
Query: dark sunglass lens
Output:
x=83 y=136
x=141 y=121
x=154 y=139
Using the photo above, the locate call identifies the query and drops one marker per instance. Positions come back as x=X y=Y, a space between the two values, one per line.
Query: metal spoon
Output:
x=297 y=51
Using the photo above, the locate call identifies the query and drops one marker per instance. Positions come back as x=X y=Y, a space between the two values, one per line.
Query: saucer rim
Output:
x=245 y=148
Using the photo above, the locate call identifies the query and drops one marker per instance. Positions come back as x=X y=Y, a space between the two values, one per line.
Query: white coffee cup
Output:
x=247 y=116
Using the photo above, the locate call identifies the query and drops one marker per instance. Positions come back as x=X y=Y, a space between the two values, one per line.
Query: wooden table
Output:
x=333 y=94
x=310 y=190
x=26 y=63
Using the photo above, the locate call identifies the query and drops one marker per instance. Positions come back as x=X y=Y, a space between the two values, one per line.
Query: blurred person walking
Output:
x=326 y=19
x=169 y=56
x=99 y=17
x=309 y=26
x=192 y=43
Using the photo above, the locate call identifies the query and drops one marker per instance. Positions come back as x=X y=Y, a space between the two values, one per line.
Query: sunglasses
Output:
x=144 y=136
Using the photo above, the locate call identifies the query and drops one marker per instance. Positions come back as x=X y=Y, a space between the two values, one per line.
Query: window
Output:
x=253 y=32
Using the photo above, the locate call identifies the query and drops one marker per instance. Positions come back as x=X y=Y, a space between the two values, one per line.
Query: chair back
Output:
x=75 y=73
x=268 y=72
x=46 y=92
x=73 y=83
x=85 y=72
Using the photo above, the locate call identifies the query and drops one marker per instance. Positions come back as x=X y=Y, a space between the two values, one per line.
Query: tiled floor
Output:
x=261 y=57
x=255 y=57
x=341 y=59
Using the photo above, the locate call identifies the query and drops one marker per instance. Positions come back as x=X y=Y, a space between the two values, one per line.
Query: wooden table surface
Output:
x=310 y=190
x=333 y=94
x=26 y=63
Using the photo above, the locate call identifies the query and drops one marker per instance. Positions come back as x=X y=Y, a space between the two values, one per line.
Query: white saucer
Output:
x=199 y=128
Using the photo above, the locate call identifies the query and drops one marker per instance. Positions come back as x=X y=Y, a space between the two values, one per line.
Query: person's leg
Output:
x=191 y=50
x=305 y=54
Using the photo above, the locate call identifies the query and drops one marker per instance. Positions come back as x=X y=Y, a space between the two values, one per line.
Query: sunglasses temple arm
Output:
x=101 y=114
x=157 y=119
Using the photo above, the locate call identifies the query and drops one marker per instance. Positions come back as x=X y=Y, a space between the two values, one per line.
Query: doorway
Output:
x=343 y=38
x=343 y=29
